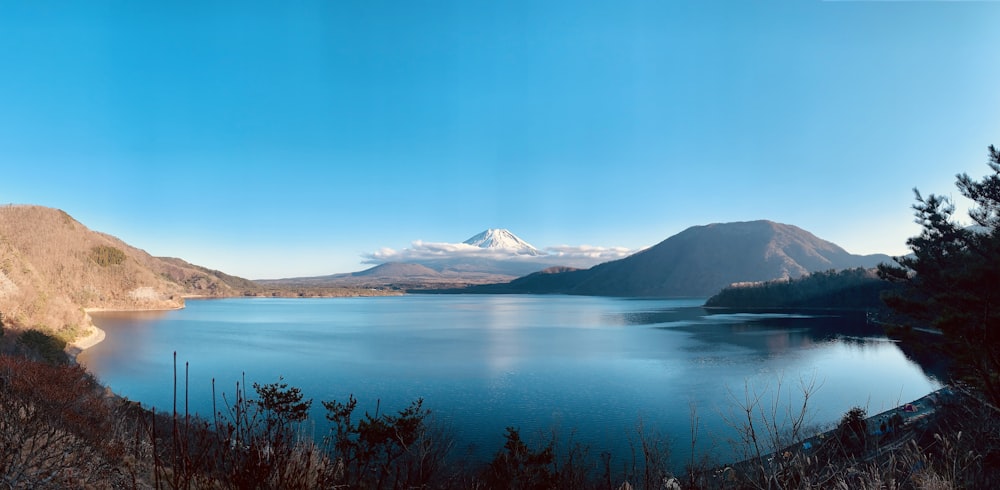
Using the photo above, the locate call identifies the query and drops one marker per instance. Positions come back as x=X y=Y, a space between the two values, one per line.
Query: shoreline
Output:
x=893 y=428
x=94 y=334
x=88 y=311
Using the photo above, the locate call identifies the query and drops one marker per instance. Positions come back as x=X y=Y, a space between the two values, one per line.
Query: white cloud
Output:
x=589 y=252
x=420 y=250
x=582 y=256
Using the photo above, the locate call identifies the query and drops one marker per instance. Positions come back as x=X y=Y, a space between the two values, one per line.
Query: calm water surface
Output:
x=592 y=367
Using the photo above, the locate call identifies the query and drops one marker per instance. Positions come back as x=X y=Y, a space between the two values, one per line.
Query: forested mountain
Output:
x=849 y=288
x=702 y=260
x=52 y=267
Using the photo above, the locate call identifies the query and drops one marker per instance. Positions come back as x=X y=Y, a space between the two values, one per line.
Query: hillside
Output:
x=545 y=281
x=702 y=260
x=391 y=275
x=52 y=268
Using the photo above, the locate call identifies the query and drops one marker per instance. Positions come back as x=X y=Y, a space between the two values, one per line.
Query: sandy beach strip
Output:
x=130 y=310
x=93 y=337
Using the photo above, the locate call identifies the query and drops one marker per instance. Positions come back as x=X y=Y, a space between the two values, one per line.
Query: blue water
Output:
x=591 y=368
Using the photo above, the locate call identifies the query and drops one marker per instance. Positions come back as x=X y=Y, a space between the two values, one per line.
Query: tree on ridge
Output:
x=951 y=281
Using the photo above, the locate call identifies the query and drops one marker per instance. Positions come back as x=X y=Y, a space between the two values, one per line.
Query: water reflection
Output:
x=140 y=327
x=674 y=315
x=116 y=319
x=772 y=333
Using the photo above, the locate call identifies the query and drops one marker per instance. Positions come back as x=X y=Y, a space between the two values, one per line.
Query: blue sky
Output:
x=276 y=139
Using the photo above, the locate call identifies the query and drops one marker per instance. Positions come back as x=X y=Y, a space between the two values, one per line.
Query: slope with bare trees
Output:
x=53 y=268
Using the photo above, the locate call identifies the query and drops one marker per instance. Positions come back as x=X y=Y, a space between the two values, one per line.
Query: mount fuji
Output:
x=496 y=251
x=495 y=255
x=502 y=239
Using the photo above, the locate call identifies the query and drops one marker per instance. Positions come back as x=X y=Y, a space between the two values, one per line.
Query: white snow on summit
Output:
x=499 y=238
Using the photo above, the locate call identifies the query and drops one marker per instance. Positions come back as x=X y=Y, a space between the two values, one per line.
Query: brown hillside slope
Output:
x=52 y=268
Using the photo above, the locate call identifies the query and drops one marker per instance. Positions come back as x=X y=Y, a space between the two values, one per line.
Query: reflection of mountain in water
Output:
x=776 y=332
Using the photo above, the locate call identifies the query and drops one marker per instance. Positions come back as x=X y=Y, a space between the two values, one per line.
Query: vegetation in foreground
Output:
x=60 y=429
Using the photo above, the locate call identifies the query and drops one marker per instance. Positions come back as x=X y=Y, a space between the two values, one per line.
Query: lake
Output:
x=587 y=367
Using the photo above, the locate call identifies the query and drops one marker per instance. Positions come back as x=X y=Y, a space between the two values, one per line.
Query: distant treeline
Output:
x=849 y=288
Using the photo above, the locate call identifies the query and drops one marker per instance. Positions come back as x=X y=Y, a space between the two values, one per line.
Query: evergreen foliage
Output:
x=48 y=347
x=383 y=450
x=519 y=466
x=255 y=443
x=852 y=431
x=849 y=288
x=106 y=255
x=951 y=282
x=281 y=405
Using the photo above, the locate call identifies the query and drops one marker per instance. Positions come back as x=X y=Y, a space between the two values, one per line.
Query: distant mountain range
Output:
x=493 y=256
x=699 y=261
x=391 y=275
x=52 y=268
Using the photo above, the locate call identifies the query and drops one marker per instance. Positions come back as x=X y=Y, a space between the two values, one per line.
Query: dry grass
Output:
x=55 y=423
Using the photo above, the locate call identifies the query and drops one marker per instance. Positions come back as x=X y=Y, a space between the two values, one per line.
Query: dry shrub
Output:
x=53 y=426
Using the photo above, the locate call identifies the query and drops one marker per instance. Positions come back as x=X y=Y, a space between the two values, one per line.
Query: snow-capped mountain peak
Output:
x=499 y=238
